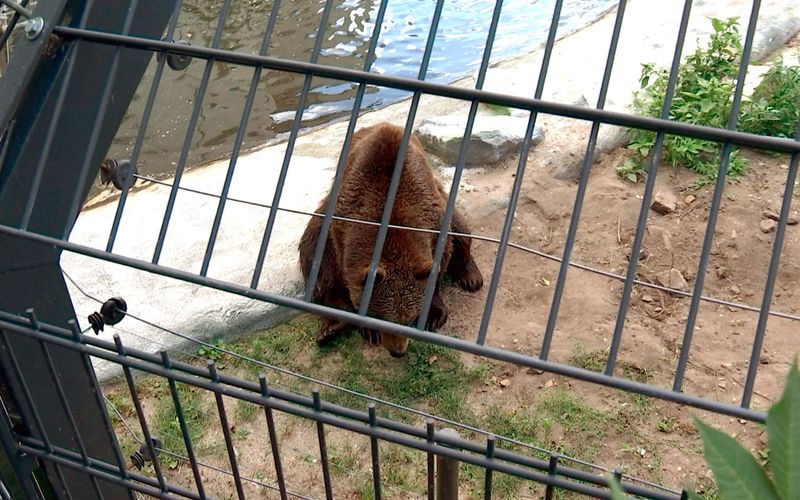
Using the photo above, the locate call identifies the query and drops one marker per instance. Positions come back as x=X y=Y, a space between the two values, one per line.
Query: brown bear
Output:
x=407 y=255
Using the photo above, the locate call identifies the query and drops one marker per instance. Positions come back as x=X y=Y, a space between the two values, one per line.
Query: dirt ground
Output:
x=658 y=442
x=656 y=321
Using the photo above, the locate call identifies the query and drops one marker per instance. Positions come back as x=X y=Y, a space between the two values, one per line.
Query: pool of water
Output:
x=457 y=52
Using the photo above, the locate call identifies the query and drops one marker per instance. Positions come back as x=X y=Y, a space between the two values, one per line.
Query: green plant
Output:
x=737 y=473
x=774 y=107
x=167 y=426
x=703 y=95
x=213 y=351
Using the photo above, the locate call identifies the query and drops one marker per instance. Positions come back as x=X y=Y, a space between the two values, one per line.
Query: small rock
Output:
x=767 y=225
x=673 y=279
x=550 y=383
x=792 y=219
x=535 y=371
x=770 y=214
x=689 y=199
x=765 y=359
x=734 y=290
x=723 y=273
x=505 y=382
x=664 y=202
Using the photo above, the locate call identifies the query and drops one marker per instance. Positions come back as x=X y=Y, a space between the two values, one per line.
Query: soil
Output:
x=671 y=454
x=656 y=321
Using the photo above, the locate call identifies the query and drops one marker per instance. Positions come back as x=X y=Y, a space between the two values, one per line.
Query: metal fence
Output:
x=74 y=51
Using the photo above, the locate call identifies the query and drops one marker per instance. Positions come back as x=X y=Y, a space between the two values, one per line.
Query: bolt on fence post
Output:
x=447 y=471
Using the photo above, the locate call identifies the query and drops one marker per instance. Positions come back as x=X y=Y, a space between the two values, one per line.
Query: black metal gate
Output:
x=63 y=95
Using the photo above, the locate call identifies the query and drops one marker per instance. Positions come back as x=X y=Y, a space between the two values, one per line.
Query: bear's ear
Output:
x=423 y=269
x=380 y=273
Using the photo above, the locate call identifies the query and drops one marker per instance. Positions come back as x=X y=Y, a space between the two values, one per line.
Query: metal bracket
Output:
x=33 y=25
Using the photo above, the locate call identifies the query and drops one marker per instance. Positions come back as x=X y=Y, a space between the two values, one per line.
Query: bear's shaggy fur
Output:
x=407 y=255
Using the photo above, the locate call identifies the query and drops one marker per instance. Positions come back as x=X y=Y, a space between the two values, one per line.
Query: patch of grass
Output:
x=244 y=411
x=344 y=460
x=399 y=467
x=282 y=345
x=213 y=352
x=167 y=427
x=519 y=424
x=429 y=376
x=366 y=490
x=496 y=109
x=667 y=424
x=123 y=404
x=589 y=360
x=773 y=108
x=703 y=96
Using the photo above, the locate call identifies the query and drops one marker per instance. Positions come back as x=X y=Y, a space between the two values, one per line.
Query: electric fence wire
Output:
x=672 y=291
x=367 y=397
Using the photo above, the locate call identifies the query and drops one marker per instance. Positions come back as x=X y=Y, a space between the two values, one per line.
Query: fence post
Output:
x=41 y=176
x=447 y=472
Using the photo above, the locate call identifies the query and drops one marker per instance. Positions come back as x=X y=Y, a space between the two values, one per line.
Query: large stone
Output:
x=777 y=24
x=609 y=138
x=493 y=137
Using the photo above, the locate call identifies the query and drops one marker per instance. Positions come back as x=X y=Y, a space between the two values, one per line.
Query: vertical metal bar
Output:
x=713 y=211
x=633 y=261
x=398 y=166
x=187 y=142
x=273 y=437
x=140 y=413
x=237 y=145
x=22 y=475
x=29 y=401
x=433 y=276
x=319 y=250
x=287 y=157
x=137 y=145
x=487 y=483
x=584 y=180
x=447 y=472
x=51 y=131
x=431 y=435
x=223 y=420
x=515 y=190
x=77 y=336
x=376 y=466
x=552 y=471
x=26 y=392
x=772 y=274
x=323 y=448
x=77 y=197
x=5 y=142
x=187 y=439
x=63 y=399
